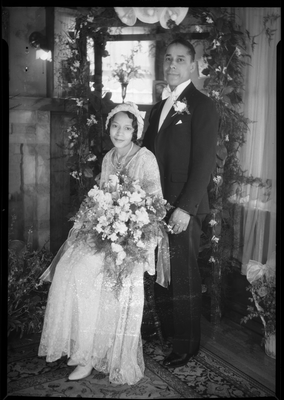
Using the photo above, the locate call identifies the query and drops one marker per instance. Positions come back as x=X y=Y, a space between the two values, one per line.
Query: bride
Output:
x=84 y=319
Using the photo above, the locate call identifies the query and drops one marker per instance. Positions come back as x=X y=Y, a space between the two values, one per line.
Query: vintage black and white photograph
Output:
x=139 y=145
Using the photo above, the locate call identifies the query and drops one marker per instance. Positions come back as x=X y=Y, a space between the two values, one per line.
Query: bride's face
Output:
x=121 y=130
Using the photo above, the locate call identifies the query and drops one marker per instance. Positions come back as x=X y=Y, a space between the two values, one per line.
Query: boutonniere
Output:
x=180 y=107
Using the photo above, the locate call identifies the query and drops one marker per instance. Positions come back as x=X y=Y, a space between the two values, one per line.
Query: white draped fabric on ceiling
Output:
x=258 y=154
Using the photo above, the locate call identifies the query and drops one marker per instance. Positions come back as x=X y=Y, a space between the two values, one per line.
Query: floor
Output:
x=240 y=347
x=239 y=344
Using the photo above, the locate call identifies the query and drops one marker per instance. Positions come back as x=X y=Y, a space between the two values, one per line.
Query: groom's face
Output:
x=178 y=65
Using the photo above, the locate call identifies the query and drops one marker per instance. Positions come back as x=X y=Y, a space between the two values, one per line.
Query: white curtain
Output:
x=258 y=155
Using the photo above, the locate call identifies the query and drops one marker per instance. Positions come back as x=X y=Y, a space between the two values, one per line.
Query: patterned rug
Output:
x=205 y=376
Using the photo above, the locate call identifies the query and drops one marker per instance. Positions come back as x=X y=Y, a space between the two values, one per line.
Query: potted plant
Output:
x=263 y=289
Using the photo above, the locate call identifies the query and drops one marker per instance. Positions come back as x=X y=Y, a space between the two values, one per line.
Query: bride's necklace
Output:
x=120 y=164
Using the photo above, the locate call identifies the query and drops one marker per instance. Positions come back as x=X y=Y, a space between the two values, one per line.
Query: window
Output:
x=124 y=40
x=139 y=90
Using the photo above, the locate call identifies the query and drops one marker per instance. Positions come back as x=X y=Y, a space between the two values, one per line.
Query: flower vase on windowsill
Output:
x=123 y=90
x=270 y=345
x=262 y=279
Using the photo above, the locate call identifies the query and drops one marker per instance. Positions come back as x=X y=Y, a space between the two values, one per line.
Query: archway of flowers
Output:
x=224 y=57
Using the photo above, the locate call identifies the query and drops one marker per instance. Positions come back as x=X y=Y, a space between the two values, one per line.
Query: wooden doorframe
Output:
x=59 y=181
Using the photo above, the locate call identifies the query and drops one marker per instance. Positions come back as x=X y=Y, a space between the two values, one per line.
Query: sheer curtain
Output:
x=258 y=155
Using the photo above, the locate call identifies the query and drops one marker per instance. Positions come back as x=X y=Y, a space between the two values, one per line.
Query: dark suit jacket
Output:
x=185 y=152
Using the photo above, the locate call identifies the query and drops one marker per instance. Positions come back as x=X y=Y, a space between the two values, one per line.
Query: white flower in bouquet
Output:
x=124 y=202
x=135 y=197
x=113 y=237
x=120 y=257
x=142 y=216
x=113 y=181
x=124 y=216
x=103 y=220
x=120 y=227
x=116 y=247
x=149 y=201
x=93 y=192
x=137 y=235
x=108 y=201
x=138 y=189
x=140 y=244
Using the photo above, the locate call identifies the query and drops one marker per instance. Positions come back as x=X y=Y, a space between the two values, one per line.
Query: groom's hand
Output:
x=179 y=220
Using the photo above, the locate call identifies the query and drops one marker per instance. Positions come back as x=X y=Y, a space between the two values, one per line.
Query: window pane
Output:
x=139 y=90
x=91 y=55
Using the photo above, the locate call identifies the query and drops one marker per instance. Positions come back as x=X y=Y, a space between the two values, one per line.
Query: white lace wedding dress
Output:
x=83 y=319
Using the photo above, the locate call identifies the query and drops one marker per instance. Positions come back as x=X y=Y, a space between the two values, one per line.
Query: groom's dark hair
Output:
x=184 y=42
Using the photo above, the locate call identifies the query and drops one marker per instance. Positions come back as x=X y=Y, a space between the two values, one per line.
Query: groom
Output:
x=182 y=133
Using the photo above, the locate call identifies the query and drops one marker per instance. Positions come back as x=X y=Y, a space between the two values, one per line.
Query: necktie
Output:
x=167 y=106
x=166 y=92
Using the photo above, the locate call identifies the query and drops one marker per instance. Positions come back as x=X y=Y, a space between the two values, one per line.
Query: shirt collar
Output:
x=176 y=92
x=180 y=88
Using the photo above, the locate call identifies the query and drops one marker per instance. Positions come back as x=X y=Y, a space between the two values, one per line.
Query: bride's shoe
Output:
x=71 y=362
x=80 y=372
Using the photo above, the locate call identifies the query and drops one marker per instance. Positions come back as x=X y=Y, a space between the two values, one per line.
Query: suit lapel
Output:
x=187 y=93
x=167 y=120
x=156 y=116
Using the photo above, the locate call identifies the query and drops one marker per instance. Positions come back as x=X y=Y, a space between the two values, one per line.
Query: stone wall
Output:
x=29 y=174
x=29 y=128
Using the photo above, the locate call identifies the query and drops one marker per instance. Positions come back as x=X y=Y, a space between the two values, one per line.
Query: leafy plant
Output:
x=26 y=300
x=262 y=279
x=264 y=298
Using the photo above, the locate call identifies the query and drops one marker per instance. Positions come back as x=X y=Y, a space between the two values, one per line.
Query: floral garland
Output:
x=121 y=221
x=224 y=58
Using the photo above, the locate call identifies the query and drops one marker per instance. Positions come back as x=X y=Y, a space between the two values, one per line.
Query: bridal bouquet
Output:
x=122 y=221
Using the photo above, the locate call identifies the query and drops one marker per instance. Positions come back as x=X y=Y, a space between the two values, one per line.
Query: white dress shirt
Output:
x=172 y=96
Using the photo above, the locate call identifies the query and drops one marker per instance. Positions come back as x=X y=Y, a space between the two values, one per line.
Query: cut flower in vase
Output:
x=122 y=221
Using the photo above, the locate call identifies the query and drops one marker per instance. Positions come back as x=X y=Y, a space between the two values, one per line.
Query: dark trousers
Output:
x=179 y=307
